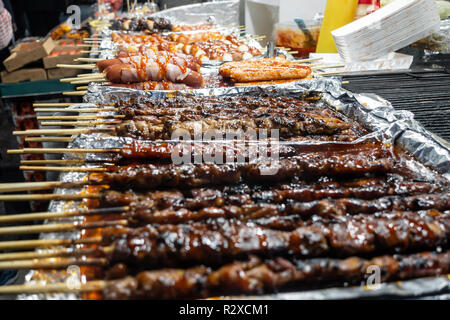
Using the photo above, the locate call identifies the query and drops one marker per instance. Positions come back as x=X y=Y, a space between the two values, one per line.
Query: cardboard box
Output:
x=28 y=52
x=30 y=74
x=58 y=73
x=51 y=61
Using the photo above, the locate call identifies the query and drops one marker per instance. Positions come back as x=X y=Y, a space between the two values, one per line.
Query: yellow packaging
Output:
x=338 y=13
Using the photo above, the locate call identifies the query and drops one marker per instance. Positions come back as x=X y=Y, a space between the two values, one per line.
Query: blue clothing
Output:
x=7 y=275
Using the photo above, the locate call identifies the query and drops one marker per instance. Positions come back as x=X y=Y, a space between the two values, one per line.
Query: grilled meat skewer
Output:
x=220 y=241
x=257 y=276
x=151 y=176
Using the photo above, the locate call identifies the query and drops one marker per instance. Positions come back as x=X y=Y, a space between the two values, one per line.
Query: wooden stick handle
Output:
x=92 y=75
x=77 y=66
x=74 y=93
x=50 y=253
x=44 y=162
x=52 y=264
x=87 y=81
x=58 y=132
x=28 y=244
x=48 y=197
x=60 y=227
x=63 y=169
x=307 y=60
x=328 y=67
x=94 y=117
x=49 y=139
x=56 y=104
x=81 y=110
x=88 y=59
x=61 y=150
x=79 y=123
x=57 y=215
x=33 y=186
x=54 y=288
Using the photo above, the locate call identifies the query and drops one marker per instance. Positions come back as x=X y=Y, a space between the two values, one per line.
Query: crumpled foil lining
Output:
x=370 y=110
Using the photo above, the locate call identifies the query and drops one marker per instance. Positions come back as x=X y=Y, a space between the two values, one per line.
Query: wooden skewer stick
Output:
x=56 y=104
x=79 y=123
x=78 y=110
x=48 y=197
x=49 y=253
x=58 y=215
x=89 y=80
x=77 y=66
x=52 y=264
x=74 y=93
x=345 y=82
x=57 y=132
x=92 y=76
x=33 y=186
x=28 y=244
x=61 y=150
x=63 y=169
x=87 y=59
x=54 y=288
x=306 y=60
x=60 y=227
x=88 y=75
x=82 y=88
x=329 y=67
x=329 y=73
x=92 y=38
x=45 y=162
x=49 y=139
x=258 y=38
x=80 y=117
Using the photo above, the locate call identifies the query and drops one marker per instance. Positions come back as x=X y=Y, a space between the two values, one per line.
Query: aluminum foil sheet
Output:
x=371 y=111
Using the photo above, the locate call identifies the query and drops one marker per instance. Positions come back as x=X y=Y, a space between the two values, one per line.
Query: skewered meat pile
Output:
x=294 y=119
x=333 y=202
x=144 y=68
x=205 y=46
x=142 y=24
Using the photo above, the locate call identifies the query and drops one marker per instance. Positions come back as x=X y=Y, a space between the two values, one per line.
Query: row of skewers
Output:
x=173 y=62
x=336 y=205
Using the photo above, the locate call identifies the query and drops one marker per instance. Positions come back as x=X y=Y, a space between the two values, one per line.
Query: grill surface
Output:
x=426 y=94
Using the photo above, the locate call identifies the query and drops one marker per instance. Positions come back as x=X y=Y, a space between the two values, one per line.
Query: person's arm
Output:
x=8 y=6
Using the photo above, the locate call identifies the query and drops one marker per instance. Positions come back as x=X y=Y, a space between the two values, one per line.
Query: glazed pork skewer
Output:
x=257 y=277
x=280 y=216
x=243 y=194
x=218 y=242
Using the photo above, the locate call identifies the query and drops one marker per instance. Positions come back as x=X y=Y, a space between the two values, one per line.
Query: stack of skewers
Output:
x=335 y=201
x=173 y=62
